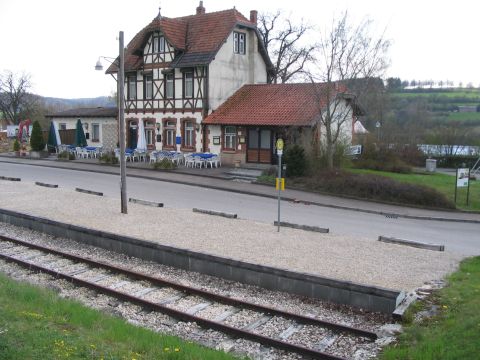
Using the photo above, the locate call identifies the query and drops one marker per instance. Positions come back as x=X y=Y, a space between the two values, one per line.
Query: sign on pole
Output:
x=462 y=179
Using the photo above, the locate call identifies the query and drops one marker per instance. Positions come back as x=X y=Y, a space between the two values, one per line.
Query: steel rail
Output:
x=203 y=293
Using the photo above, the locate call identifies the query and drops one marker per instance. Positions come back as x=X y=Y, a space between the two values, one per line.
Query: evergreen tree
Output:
x=36 y=140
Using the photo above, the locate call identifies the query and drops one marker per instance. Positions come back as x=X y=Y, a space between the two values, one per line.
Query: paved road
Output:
x=463 y=238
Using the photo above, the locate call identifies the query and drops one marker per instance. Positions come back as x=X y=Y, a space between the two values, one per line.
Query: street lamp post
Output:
x=121 y=120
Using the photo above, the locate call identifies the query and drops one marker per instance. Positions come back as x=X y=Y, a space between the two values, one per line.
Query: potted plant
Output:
x=16 y=147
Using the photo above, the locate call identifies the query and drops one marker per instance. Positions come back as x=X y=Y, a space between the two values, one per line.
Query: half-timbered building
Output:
x=178 y=70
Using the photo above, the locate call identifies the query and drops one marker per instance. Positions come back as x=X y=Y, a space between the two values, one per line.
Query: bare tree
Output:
x=349 y=56
x=284 y=44
x=15 y=100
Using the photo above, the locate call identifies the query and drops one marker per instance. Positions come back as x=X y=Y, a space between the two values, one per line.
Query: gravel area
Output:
x=354 y=259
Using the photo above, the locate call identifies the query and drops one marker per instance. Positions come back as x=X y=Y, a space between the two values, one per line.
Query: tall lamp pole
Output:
x=121 y=119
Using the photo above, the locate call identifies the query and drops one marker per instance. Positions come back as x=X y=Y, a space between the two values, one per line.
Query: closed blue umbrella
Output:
x=80 y=139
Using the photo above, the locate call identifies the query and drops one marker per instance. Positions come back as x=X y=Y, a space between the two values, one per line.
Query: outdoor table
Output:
x=203 y=155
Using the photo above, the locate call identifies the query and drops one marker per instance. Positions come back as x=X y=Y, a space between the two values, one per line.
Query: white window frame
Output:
x=170 y=85
x=132 y=87
x=188 y=79
x=158 y=44
x=230 y=138
x=97 y=126
x=148 y=86
x=239 y=43
x=189 y=133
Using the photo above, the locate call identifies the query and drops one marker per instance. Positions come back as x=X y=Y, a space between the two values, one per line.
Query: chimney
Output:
x=200 y=8
x=253 y=16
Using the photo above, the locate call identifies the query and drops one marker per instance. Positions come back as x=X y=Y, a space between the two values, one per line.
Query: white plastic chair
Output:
x=152 y=157
x=198 y=161
x=189 y=161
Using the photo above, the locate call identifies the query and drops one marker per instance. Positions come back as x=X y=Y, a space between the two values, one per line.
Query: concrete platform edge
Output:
x=343 y=292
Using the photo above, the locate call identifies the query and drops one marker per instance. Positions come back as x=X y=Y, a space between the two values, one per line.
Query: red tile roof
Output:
x=201 y=33
x=272 y=104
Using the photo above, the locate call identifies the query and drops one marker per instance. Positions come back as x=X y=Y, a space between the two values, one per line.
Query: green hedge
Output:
x=373 y=187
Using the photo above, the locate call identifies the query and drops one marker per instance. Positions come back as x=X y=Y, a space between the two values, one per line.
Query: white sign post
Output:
x=462 y=180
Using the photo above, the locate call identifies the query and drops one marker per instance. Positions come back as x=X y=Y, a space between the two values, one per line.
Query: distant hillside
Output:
x=64 y=104
x=443 y=105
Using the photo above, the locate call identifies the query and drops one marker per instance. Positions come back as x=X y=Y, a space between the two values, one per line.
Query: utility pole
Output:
x=121 y=119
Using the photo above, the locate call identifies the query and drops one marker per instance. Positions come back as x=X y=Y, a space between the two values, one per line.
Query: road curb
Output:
x=216 y=213
x=45 y=185
x=89 y=192
x=416 y=244
x=302 y=227
x=145 y=202
x=9 y=178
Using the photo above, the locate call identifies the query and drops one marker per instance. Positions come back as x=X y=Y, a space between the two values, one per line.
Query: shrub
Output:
x=382 y=158
x=16 y=145
x=164 y=164
x=36 y=139
x=374 y=187
x=108 y=158
x=295 y=160
x=65 y=155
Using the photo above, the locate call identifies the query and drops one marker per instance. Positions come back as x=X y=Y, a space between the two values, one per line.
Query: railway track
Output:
x=164 y=296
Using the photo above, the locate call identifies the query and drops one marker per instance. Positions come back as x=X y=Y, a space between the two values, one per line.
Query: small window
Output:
x=188 y=135
x=148 y=86
x=188 y=84
x=132 y=87
x=239 y=43
x=158 y=44
x=96 y=132
x=62 y=126
x=169 y=86
x=230 y=137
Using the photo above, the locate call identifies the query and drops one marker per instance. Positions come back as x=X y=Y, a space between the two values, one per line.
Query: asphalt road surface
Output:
x=463 y=238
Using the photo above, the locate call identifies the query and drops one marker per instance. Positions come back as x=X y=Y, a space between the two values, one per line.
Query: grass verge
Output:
x=36 y=324
x=443 y=183
x=455 y=332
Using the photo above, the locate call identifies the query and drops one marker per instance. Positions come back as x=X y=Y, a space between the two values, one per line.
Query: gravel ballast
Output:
x=359 y=260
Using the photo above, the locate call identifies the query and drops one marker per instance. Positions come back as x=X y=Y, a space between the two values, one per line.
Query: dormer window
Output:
x=158 y=44
x=239 y=43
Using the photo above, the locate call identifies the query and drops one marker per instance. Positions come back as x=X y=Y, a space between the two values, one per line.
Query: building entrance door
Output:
x=259 y=145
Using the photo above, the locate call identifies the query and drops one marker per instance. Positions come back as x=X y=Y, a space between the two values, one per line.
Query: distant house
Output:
x=467 y=108
x=99 y=124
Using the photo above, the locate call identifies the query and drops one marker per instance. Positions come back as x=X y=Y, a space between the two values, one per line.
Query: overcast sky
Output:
x=58 y=42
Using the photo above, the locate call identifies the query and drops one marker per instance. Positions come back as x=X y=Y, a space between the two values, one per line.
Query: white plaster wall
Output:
x=342 y=110
x=215 y=130
x=71 y=123
x=229 y=71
